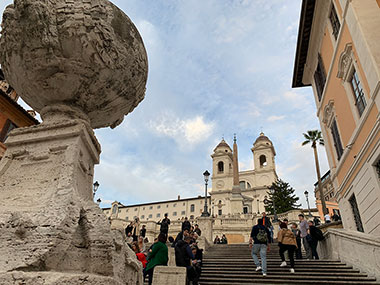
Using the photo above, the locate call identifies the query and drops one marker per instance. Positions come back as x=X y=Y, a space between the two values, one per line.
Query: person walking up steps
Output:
x=287 y=242
x=304 y=226
x=259 y=243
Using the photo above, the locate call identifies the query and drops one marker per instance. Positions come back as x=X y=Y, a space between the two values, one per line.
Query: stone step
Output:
x=300 y=271
x=307 y=279
x=281 y=269
x=285 y=272
x=268 y=280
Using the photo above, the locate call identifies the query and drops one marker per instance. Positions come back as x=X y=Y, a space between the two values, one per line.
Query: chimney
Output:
x=179 y=197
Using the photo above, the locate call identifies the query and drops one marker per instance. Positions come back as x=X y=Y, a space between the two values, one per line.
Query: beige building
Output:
x=328 y=190
x=338 y=54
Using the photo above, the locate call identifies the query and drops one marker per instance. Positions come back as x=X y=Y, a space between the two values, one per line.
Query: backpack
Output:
x=319 y=235
x=262 y=236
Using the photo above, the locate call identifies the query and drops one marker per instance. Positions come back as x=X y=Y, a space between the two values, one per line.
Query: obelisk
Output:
x=236 y=197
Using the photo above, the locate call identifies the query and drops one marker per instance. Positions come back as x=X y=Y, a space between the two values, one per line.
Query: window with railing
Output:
x=334 y=20
x=356 y=213
x=336 y=138
x=320 y=77
x=358 y=93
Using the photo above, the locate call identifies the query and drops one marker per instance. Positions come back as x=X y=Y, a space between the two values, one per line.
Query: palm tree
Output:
x=314 y=137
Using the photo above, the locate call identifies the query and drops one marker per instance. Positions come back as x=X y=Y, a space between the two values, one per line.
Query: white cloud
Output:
x=275 y=118
x=191 y=131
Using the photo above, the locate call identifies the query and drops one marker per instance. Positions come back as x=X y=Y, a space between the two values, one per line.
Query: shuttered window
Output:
x=334 y=20
x=336 y=138
x=320 y=77
x=358 y=93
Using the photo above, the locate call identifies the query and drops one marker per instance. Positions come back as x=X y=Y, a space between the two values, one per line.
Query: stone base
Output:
x=167 y=275
x=49 y=225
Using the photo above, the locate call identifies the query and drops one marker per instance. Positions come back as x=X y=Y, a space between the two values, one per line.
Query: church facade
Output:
x=233 y=192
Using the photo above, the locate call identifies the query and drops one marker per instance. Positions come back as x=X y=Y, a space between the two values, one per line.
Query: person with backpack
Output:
x=287 y=242
x=259 y=243
x=314 y=235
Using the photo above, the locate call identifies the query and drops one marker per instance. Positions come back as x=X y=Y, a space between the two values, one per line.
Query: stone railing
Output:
x=2 y=149
x=357 y=249
x=333 y=225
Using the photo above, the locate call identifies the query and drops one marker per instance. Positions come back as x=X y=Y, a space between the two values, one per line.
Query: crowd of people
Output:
x=289 y=240
x=187 y=252
x=222 y=240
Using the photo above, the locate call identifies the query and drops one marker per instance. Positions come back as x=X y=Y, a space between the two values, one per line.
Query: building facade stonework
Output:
x=338 y=54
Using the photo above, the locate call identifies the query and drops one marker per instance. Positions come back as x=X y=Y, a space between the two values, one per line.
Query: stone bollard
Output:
x=167 y=275
x=171 y=253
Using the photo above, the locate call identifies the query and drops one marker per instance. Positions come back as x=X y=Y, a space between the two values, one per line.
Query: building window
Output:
x=263 y=161
x=158 y=215
x=242 y=185
x=150 y=216
x=174 y=214
x=356 y=213
x=192 y=217
x=334 y=20
x=183 y=213
x=219 y=212
x=127 y=210
x=114 y=209
x=151 y=207
x=377 y=166
x=8 y=127
x=249 y=185
x=135 y=209
x=142 y=217
x=143 y=208
x=158 y=207
x=358 y=93
x=320 y=77
x=192 y=208
x=245 y=210
x=183 y=204
x=220 y=167
x=336 y=138
x=167 y=206
x=174 y=205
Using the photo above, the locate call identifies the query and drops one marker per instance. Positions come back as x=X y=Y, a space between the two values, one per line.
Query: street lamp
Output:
x=99 y=201
x=272 y=191
x=205 y=213
x=95 y=187
x=307 y=200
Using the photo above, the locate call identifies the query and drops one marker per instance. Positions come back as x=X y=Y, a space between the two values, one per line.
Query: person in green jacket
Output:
x=158 y=256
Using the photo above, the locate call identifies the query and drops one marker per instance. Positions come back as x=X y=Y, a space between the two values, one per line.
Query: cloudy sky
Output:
x=216 y=67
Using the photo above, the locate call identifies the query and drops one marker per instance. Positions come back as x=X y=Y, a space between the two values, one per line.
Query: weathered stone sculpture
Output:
x=81 y=64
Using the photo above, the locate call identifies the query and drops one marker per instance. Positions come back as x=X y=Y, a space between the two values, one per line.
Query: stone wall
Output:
x=360 y=250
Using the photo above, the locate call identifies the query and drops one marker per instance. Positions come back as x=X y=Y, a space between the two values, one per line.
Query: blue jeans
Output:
x=262 y=248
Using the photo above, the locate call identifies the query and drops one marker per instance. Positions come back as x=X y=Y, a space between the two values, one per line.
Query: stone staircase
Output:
x=233 y=264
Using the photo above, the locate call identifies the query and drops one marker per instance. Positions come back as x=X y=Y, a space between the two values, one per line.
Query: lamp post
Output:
x=272 y=191
x=95 y=187
x=205 y=213
x=307 y=200
x=99 y=201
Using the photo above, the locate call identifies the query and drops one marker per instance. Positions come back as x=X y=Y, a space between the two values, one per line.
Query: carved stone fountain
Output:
x=82 y=64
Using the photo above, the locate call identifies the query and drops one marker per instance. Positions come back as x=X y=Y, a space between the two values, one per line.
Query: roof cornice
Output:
x=304 y=32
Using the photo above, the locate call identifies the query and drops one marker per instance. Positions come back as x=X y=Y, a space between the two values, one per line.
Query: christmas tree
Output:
x=283 y=196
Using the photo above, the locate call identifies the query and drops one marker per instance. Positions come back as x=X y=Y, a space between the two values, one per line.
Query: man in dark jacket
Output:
x=184 y=257
x=129 y=228
x=143 y=231
x=259 y=243
x=266 y=221
x=315 y=235
x=164 y=229
x=197 y=230
x=186 y=224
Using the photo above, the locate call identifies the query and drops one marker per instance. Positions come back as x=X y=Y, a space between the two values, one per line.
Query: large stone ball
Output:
x=85 y=54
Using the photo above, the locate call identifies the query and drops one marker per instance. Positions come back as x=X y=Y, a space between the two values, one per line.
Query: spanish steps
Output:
x=233 y=264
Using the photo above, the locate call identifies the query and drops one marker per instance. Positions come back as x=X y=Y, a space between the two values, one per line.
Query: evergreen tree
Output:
x=283 y=196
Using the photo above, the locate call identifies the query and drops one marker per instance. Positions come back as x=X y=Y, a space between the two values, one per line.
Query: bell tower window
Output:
x=220 y=167
x=263 y=161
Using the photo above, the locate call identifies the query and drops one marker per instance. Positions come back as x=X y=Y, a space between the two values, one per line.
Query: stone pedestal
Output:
x=49 y=224
x=206 y=226
x=165 y=275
